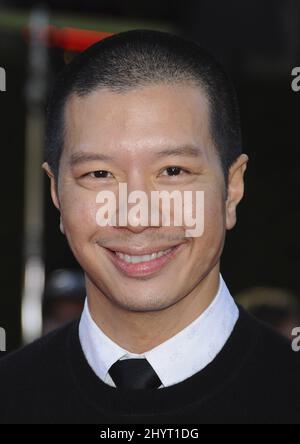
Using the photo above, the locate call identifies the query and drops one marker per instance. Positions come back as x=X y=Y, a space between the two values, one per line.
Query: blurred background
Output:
x=259 y=44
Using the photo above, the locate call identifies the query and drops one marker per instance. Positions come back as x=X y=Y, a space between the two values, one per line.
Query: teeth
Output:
x=145 y=258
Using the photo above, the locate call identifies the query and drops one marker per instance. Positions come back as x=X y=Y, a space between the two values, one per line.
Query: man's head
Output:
x=134 y=59
x=113 y=112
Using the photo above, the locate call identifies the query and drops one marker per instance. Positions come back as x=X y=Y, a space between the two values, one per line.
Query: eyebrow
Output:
x=188 y=150
x=81 y=157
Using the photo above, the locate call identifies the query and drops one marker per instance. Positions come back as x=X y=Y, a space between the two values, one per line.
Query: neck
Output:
x=138 y=332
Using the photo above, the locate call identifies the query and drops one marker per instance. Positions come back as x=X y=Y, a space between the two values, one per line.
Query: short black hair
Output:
x=133 y=59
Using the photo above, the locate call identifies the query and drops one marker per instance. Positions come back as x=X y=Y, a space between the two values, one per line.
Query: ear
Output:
x=53 y=191
x=235 y=190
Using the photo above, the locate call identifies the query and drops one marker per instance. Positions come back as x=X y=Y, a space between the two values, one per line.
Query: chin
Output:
x=143 y=305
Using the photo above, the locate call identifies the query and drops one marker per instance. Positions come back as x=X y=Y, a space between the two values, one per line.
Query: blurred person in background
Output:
x=274 y=306
x=64 y=298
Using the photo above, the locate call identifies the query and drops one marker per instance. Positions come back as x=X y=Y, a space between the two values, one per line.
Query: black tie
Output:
x=134 y=374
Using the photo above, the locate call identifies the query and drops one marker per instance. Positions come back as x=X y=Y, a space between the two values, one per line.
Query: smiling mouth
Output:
x=142 y=265
x=132 y=259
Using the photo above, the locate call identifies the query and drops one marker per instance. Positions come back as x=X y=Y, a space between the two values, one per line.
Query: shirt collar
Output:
x=176 y=359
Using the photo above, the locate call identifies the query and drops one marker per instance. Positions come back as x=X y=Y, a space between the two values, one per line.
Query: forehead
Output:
x=157 y=115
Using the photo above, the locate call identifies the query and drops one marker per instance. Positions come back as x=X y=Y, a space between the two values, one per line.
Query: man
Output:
x=160 y=339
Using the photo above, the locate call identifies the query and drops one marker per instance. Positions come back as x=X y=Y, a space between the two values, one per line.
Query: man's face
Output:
x=132 y=128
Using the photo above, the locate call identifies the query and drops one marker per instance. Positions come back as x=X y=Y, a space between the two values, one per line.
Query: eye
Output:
x=175 y=171
x=99 y=174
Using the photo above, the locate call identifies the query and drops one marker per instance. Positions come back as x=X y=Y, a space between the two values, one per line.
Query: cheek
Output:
x=209 y=246
x=214 y=216
x=213 y=207
x=79 y=216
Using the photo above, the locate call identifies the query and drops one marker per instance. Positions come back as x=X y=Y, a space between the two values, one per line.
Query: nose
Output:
x=134 y=208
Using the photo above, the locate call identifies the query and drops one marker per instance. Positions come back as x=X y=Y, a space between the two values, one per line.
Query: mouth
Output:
x=143 y=265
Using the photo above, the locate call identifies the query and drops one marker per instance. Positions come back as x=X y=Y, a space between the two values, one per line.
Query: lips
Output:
x=141 y=258
x=138 y=251
x=132 y=264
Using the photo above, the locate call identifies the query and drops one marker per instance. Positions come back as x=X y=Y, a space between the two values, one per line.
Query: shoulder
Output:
x=270 y=347
x=37 y=362
x=275 y=348
x=272 y=367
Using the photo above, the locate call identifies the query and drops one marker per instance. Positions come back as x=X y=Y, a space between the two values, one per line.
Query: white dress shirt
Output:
x=178 y=358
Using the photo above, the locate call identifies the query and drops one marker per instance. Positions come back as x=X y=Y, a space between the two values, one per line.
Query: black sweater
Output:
x=255 y=379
